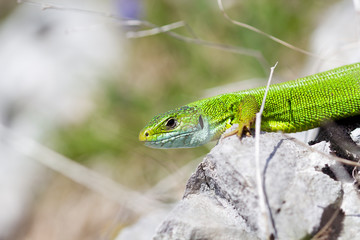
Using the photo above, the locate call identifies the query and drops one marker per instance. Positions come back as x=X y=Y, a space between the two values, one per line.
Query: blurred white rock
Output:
x=336 y=38
x=51 y=64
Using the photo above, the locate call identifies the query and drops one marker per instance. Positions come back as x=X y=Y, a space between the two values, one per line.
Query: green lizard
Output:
x=292 y=106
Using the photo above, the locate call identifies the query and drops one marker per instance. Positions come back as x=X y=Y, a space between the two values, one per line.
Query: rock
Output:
x=53 y=69
x=355 y=136
x=351 y=207
x=145 y=227
x=303 y=188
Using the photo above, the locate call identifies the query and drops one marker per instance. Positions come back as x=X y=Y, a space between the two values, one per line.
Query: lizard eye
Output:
x=171 y=123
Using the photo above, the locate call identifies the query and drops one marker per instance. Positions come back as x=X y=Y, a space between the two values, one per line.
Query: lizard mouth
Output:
x=173 y=141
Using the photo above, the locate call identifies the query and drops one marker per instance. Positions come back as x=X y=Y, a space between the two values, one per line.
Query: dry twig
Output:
x=254 y=29
x=155 y=29
x=264 y=210
x=133 y=200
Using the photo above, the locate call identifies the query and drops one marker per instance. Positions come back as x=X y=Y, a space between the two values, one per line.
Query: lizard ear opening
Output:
x=201 y=122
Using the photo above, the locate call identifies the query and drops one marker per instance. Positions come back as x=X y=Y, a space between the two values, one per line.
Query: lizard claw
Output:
x=239 y=131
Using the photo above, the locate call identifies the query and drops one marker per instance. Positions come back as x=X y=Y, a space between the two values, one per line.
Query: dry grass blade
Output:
x=94 y=181
x=154 y=31
x=275 y=39
x=340 y=160
x=166 y=29
x=326 y=231
x=264 y=208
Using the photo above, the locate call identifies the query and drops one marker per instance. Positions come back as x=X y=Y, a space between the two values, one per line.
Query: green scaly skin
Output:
x=292 y=106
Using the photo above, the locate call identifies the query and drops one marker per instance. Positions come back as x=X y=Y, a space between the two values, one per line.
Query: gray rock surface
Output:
x=306 y=190
x=145 y=227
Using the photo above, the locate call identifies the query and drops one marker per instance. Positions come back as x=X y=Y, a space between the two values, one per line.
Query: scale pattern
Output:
x=296 y=105
x=308 y=102
x=292 y=106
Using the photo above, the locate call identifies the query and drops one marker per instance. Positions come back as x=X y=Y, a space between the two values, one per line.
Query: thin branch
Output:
x=154 y=31
x=322 y=233
x=265 y=211
x=224 y=47
x=254 y=29
x=157 y=30
x=340 y=160
x=220 y=46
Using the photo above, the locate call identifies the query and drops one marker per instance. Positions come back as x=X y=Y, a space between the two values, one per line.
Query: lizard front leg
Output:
x=245 y=115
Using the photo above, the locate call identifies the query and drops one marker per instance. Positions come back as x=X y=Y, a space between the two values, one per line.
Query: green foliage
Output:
x=163 y=73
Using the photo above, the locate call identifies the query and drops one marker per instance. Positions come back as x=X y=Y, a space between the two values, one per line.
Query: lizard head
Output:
x=179 y=128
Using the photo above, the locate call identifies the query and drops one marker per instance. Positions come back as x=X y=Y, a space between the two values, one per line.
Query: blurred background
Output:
x=76 y=88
